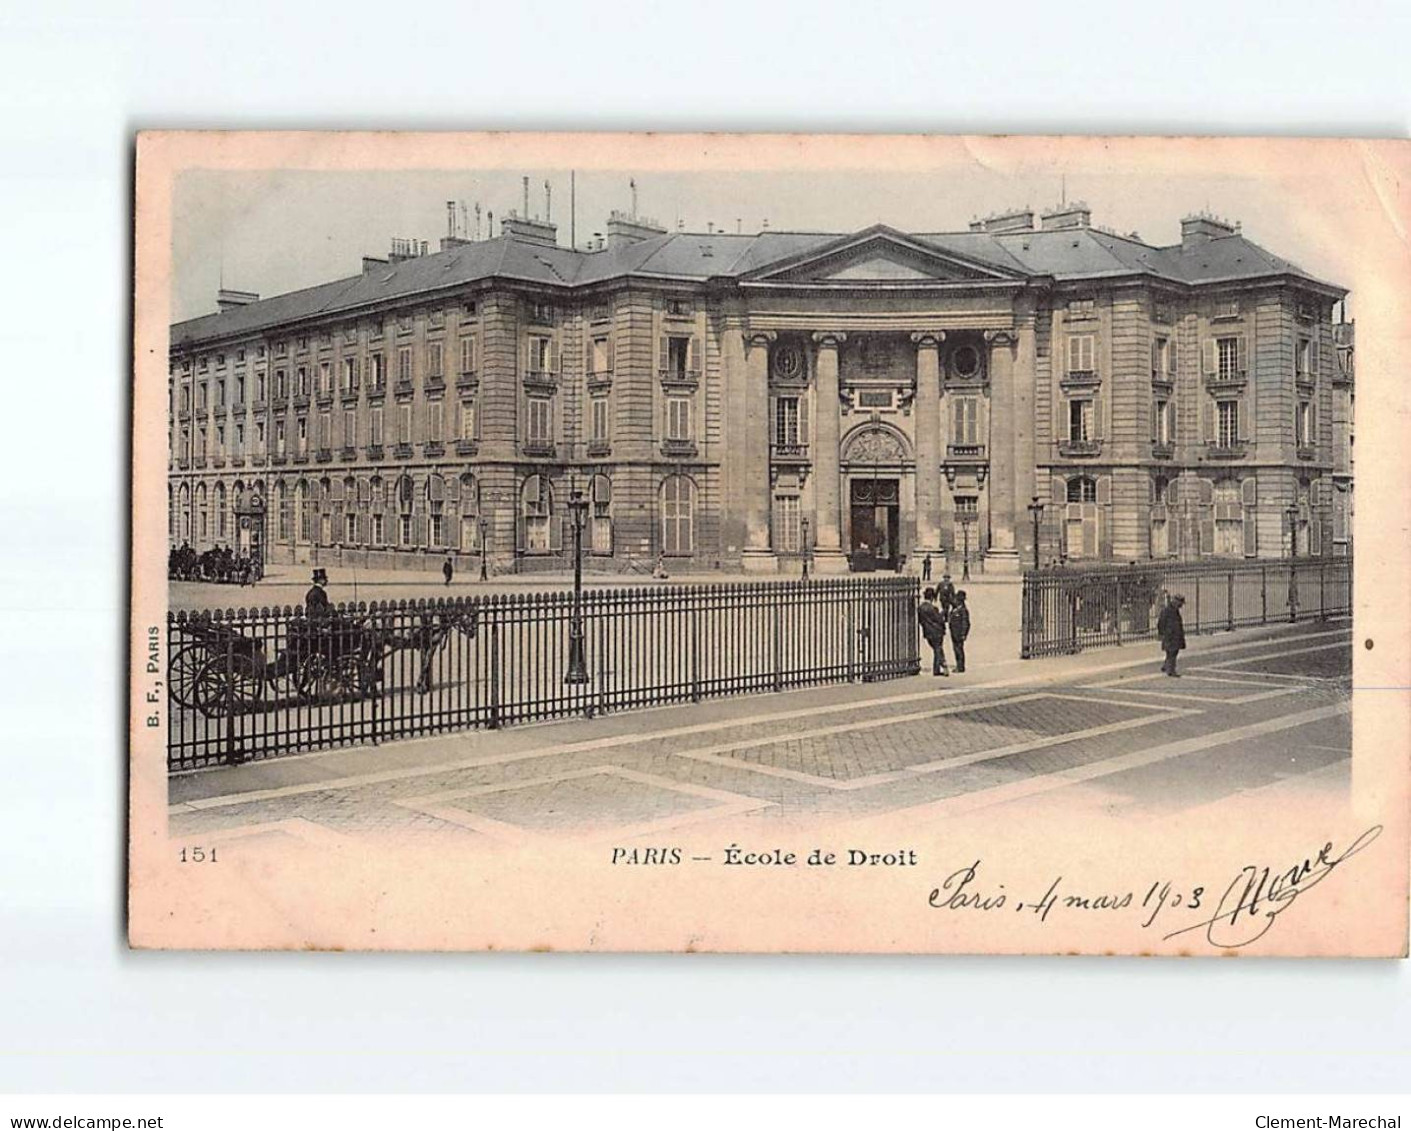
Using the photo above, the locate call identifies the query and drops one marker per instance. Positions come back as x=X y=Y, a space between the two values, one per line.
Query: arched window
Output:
x=406 y=493
x=1081 y=519
x=678 y=515
x=220 y=512
x=377 y=502
x=325 y=513
x=538 y=533
x=172 y=523
x=436 y=506
x=201 y=518
x=600 y=516
x=281 y=508
x=1229 y=519
x=470 y=514
x=351 y=533
x=305 y=504
x=1161 y=545
x=183 y=505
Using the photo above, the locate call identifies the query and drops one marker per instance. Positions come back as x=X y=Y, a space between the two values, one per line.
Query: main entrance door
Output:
x=876 y=524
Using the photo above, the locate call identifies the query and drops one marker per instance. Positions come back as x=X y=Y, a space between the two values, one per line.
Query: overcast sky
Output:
x=275 y=232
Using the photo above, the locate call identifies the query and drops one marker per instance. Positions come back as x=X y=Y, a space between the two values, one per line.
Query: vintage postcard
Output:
x=770 y=543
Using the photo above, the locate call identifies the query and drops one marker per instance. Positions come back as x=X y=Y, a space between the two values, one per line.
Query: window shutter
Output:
x=1212 y=364
x=519 y=528
x=1155 y=424
x=1097 y=417
x=1313 y=423
x=1315 y=537
x=1249 y=494
x=693 y=355
x=1104 y=490
x=1242 y=354
x=803 y=418
x=1058 y=490
x=1340 y=517
x=1242 y=420
x=1151 y=492
x=419 y=526
x=664 y=356
x=1074 y=355
x=1171 y=422
x=1208 y=412
x=556 y=533
x=611 y=352
x=1207 y=532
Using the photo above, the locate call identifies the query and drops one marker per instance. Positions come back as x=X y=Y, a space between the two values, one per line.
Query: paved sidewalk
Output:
x=1103 y=724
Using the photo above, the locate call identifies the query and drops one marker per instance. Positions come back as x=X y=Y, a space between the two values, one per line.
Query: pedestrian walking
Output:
x=1172 y=632
x=926 y=568
x=933 y=628
x=448 y=571
x=959 y=625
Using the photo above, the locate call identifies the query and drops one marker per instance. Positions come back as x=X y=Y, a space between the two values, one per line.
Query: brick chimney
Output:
x=1020 y=220
x=624 y=229
x=521 y=228
x=229 y=300
x=1201 y=228
x=1075 y=215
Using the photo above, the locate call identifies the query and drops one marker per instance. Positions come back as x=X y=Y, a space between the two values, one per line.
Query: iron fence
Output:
x=1066 y=610
x=255 y=683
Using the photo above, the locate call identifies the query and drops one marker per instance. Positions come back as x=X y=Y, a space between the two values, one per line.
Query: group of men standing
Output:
x=952 y=616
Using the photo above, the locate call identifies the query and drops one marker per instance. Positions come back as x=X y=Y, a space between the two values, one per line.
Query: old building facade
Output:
x=730 y=401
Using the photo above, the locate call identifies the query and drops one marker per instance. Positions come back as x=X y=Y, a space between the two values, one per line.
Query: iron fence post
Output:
x=1230 y=601
x=1263 y=594
x=1117 y=619
x=494 y=674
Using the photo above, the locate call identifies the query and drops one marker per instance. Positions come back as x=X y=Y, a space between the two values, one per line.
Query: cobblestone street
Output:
x=1265 y=709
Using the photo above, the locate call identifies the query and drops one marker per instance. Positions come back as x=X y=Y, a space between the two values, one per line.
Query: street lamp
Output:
x=803 y=522
x=966 y=519
x=1292 y=513
x=577 y=657
x=484 y=549
x=1036 y=509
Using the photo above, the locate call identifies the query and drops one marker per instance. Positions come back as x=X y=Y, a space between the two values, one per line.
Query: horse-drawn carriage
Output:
x=218 y=669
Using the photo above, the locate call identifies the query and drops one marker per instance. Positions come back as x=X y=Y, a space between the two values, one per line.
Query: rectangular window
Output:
x=325 y=379
x=1080 y=421
x=1161 y=359
x=786 y=524
x=434 y=367
x=435 y=429
x=220 y=439
x=350 y=374
x=350 y=528
x=404 y=529
x=677 y=355
x=467 y=430
x=325 y=431
x=302 y=388
x=1081 y=353
x=678 y=418
x=1227 y=423
x=965 y=421
x=379 y=372
x=786 y=421
x=404 y=424
x=404 y=366
x=1304 y=424
x=540 y=421
x=1162 y=421
x=1080 y=308
x=279 y=440
x=240 y=389
x=374 y=421
x=301 y=432
x=1227 y=309
x=259 y=437
x=377 y=530
x=598 y=361
x=259 y=386
x=468 y=354
x=598 y=420
x=1227 y=358
x=239 y=440
x=201 y=397
x=220 y=394
x=281 y=383
x=350 y=429
x=1304 y=356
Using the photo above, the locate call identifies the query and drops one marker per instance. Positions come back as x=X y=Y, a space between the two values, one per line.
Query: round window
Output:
x=788 y=362
x=966 y=361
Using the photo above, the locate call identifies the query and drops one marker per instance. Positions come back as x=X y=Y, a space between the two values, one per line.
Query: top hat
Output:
x=320 y=577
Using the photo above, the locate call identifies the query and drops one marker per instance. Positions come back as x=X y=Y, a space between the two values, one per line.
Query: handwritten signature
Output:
x=1258 y=895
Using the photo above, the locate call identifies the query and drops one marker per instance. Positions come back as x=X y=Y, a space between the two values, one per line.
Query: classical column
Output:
x=754 y=462
x=928 y=444
x=1003 y=552
x=828 y=553
x=1025 y=446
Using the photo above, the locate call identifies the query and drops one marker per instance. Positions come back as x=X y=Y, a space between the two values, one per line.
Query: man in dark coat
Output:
x=316 y=603
x=926 y=568
x=959 y=625
x=946 y=593
x=933 y=628
x=1172 y=632
x=447 y=570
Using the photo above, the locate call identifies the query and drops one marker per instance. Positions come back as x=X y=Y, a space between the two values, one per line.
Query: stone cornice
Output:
x=830 y=339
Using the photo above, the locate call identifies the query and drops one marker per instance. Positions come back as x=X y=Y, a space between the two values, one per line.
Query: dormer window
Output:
x=1229 y=308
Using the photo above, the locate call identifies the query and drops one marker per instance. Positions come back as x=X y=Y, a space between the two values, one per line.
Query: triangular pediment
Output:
x=880 y=256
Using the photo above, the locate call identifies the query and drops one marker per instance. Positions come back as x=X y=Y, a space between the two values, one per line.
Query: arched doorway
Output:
x=878 y=522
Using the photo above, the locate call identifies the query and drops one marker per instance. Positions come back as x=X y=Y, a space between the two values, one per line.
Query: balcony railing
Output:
x=540 y=449
x=350 y=396
x=435 y=381
x=599 y=448
x=965 y=451
x=325 y=455
x=349 y=452
x=789 y=451
x=402 y=451
x=679 y=447
x=1233 y=378
x=469 y=379
x=1231 y=450
x=375 y=451
x=1161 y=450
x=1080 y=377
x=467 y=447
x=433 y=448
x=1071 y=449
x=1307 y=451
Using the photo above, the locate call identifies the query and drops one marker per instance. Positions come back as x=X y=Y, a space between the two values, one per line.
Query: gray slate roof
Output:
x=1065 y=255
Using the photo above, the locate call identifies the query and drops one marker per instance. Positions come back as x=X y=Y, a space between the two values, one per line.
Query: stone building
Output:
x=727 y=401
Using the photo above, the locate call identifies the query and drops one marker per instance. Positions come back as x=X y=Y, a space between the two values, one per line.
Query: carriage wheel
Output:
x=323 y=680
x=224 y=685
x=181 y=676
